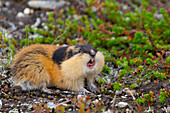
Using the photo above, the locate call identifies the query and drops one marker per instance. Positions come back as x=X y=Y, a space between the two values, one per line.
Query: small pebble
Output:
x=94 y=8
x=158 y=16
x=14 y=111
x=21 y=23
x=7 y=4
x=79 y=96
x=46 y=4
x=51 y=105
x=26 y=11
x=37 y=23
x=20 y=15
x=128 y=111
x=121 y=104
x=118 y=92
x=96 y=101
x=168 y=109
x=123 y=96
x=125 y=7
x=0 y=104
x=147 y=82
x=29 y=107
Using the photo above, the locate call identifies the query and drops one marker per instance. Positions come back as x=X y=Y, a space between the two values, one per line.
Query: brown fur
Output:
x=33 y=68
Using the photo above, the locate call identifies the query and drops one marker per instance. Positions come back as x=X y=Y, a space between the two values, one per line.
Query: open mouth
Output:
x=91 y=63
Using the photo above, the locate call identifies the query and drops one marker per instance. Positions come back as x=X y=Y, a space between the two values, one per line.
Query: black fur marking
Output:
x=70 y=54
x=21 y=66
x=86 y=48
x=59 y=55
x=40 y=68
x=36 y=51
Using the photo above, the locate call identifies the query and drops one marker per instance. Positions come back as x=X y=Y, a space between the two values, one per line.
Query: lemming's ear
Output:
x=59 y=55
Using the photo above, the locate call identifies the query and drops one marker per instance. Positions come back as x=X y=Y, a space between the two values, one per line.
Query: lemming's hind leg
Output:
x=49 y=91
x=26 y=85
x=45 y=89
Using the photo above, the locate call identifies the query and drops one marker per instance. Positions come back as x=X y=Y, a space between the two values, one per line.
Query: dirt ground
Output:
x=13 y=100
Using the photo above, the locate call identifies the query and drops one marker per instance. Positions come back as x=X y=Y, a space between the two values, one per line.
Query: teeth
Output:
x=92 y=60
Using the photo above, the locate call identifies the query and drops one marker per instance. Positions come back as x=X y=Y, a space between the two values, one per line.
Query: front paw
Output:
x=93 y=88
x=84 y=92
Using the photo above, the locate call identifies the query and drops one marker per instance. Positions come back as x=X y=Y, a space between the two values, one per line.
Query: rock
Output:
x=46 y=4
x=76 y=16
x=122 y=104
x=146 y=82
x=118 y=92
x=127 y=18
x=14 y=111
x=7 y=4
x=158 y=16
x=94 y=8
x=0 y=104
x=79 y=96
x=108 y=111
x=150 y=110
x=125 y=7
x=21 y=23
x=168 y=109
x=130 y=92
x=128 y=111
x=96 y=101
x=165 y=84
x=26 y=11
x=29 y=107
x=4 y=61
x=51 y=105
x=124 y=96
x=126 y=90
x=20 y=15
x=0 y=4
x=37 y=23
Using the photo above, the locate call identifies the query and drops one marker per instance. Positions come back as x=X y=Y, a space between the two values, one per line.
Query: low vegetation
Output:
x=134 y=40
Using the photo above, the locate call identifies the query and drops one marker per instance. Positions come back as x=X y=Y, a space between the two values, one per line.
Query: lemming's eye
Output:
x=79 y=51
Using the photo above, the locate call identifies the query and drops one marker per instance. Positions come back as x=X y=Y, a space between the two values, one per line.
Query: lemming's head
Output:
x=85 y=52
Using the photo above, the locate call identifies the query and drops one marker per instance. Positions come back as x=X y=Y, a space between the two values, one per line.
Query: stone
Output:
x=51 y=105
x=27 y=11
x=168 y=109
x=46 y=4
x=37 y=23
x=122 y=104
x=0 y=104
x=20 y=15
x=118 y=92
x=96 y=101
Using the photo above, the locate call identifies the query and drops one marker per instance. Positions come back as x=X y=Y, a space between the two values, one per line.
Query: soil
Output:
x=19 y=101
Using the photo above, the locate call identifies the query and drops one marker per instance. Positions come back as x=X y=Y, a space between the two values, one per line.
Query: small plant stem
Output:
x=139 y=107
x=59 y=36
x=4 y=93
x=63 y=102
x=114 y=99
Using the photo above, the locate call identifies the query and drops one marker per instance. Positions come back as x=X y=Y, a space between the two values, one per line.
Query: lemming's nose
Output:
x=92 y=53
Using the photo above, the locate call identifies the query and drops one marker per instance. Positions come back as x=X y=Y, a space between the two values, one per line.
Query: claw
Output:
x=84 y=92
x=92 y=87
